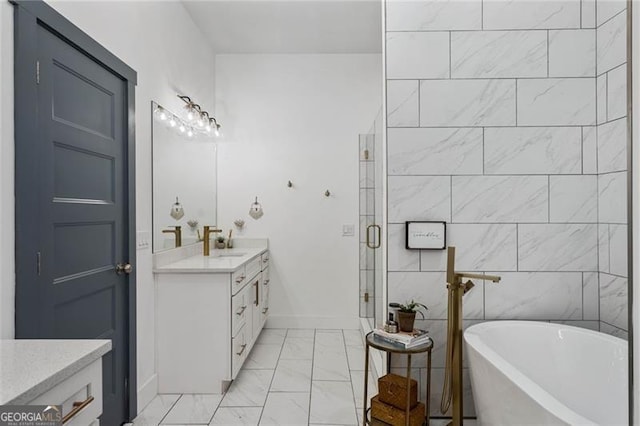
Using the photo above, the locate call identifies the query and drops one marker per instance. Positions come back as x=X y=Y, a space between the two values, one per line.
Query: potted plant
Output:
x=220 y=244
x=407 y=314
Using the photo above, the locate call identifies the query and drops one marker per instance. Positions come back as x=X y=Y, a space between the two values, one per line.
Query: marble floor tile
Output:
x=355 y=356
x=357 y=383
x=286 y=408
x=308 y=333
x=353 y=338
x=263 y=356
x=272 y=336
x=249 y=389
x=297 y=348
x=237 y=416
x=157 y=409
x=193 y=409
x=330 y=363
x=292 y=375
x=332 y=402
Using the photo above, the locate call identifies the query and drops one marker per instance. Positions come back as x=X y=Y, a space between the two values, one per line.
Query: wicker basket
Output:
x=395 y=416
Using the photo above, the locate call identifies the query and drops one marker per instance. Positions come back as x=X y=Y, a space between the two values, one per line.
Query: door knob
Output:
x=124 y=268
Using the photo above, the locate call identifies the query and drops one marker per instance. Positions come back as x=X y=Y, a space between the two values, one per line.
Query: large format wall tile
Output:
x=588 y=14
x=411 y=15
x=614 y=331
x=481 y=247
x=535 y=296
x=507 y=199
x=402 y=103
x=589 y=150
x=532 y=150
x=418 y=55
x=612 y=198
x=451 y=103
x=601 y=101
x=618 y=249
x=572 y=53
x=508 y=14
x=614 y=301
x=557 y=247
x=398 y=257
x=491 y=54
x=590 y=296
x=612 y=146
x=603 y=247
x=611 y=43
x=573 y=199
x=434 y=151
x=556 y=101
x=419 y=198
x=607 y=9
x=617 y=92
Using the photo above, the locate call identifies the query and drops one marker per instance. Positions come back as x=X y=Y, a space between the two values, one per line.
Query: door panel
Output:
x=83 y=207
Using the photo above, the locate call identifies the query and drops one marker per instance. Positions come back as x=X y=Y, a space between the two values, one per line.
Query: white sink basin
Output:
x=231 y=255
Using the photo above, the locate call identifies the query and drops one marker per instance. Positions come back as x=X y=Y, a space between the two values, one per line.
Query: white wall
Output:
x=159 y=41
x=297 y=117
x=635 y=167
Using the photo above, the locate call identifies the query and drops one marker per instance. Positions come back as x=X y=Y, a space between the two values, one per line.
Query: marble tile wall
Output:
x=507 y=120
x=611 y=149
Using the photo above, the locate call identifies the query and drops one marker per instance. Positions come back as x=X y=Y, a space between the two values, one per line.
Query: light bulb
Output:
x=190 y=133
x=216 y=131
x=182 y=129
x=172 y=121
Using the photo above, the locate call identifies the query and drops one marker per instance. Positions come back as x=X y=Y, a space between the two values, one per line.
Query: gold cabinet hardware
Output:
x=266 y=282
x=376 y=240
x=242 y=350
x=257 y=302
x=366 y=297
x=77 y=407
x=264 y=311
x=240 y=279
x=241 y=310
x=124 y=268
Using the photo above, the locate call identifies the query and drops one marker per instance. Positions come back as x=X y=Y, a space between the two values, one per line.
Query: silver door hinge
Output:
x=37 y=72
x=38 y=263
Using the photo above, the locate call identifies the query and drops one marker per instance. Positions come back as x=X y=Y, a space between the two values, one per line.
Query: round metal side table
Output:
x=372 y=342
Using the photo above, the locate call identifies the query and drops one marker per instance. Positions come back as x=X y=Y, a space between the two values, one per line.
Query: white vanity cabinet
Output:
x=208 y=319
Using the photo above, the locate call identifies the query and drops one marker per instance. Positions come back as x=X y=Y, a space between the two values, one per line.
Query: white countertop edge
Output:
x=27 y=392
x=178 y=268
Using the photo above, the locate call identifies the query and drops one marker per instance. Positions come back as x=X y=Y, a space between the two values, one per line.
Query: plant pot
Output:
x=406 y=320
x=220 y=245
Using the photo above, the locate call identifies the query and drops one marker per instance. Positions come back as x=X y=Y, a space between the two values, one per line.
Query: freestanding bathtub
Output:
x=535 y=373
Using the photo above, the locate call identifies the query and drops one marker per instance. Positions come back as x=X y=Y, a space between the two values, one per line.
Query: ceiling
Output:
x=294 y=26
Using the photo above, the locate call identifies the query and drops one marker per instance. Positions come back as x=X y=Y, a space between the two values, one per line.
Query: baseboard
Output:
x=283 y=321
x=147 y=392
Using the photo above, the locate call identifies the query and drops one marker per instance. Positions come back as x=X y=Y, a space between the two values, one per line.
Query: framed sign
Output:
x=426 y=235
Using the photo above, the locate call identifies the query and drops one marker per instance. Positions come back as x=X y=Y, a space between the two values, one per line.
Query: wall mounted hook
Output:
x=327 y=193
x=290 y=184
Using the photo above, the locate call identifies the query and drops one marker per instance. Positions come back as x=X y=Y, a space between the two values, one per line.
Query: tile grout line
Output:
x=313 y=366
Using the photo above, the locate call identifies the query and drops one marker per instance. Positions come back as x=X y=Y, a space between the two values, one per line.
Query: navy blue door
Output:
x=78 y=234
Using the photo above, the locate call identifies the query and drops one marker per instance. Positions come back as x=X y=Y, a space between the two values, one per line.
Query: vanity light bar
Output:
x=195 y=120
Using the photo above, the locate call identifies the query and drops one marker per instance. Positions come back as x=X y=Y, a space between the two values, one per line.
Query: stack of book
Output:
x=402 y=339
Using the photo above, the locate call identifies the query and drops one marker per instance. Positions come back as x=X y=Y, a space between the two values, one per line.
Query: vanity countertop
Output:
x=28 y=368
x=227 y=260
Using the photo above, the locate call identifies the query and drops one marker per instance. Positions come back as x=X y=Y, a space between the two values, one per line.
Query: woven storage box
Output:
x=395 y=416
x=392 y=390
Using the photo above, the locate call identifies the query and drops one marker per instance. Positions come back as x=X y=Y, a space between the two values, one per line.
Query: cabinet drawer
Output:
x=238 y=279
x=253 y=267
x=265 y=260
x=266 y=279
x=79 y=388
x=265 y=300
x=240 y=308
x=240 y=348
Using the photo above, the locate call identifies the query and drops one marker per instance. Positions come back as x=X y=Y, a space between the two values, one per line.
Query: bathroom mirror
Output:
x=184 y=169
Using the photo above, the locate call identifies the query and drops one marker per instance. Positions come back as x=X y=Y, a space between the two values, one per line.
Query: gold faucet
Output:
x=452 y=388
x=178 y=234
x=208 y=230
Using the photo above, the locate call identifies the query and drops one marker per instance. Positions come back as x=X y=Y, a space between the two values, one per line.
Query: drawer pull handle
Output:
x=77 y=407
x=241 y=310
x=265 y=260
x=264 y=311
x=242 y=350
x=240 y=279
x=266 y=282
